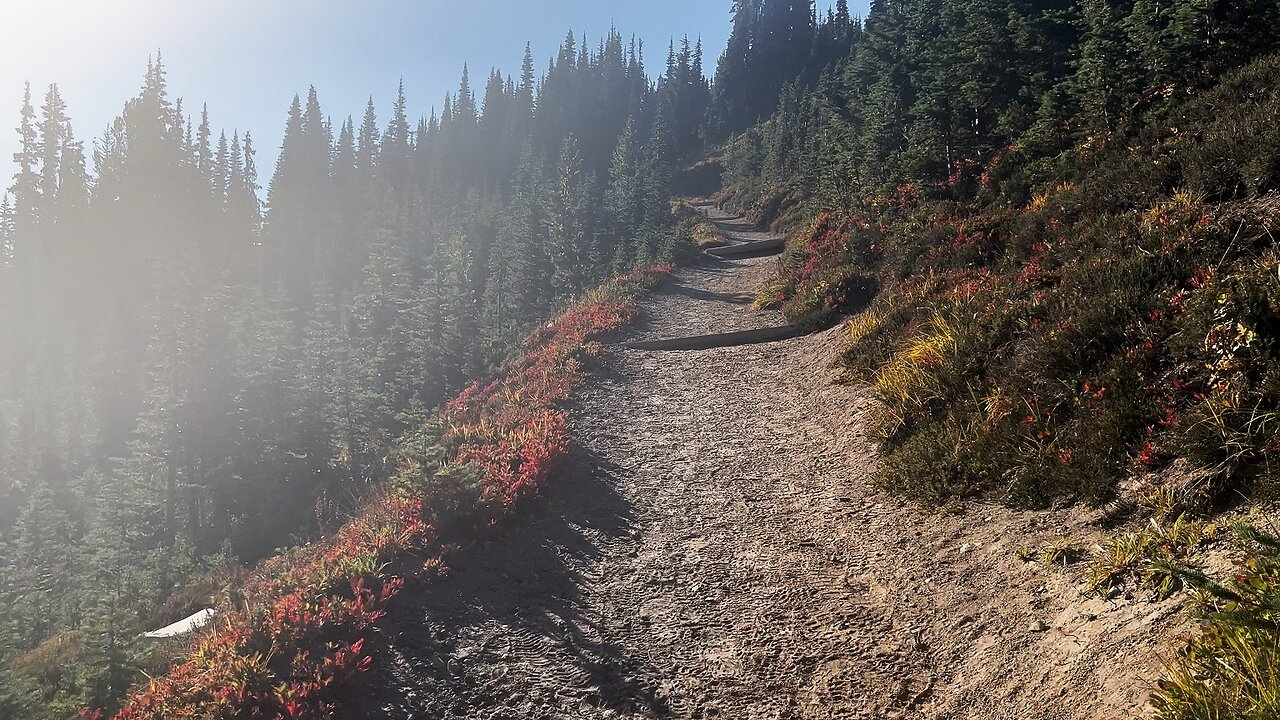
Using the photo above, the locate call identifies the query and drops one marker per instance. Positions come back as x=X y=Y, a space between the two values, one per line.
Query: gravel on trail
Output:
x=715 y=548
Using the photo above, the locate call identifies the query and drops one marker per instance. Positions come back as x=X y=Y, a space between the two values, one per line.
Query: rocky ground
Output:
x=715 y=549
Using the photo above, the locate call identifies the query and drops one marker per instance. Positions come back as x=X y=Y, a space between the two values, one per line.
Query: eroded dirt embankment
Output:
x=715 y=549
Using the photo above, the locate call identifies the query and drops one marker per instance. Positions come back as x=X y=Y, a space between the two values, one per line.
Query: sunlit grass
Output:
x=1232 y=670
x=905 y=380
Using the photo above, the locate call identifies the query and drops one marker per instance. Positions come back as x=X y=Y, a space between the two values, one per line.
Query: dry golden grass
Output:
x=1166 y=213
x=1041 y=199
x=904 y=380
x=861 y=326
x=771 y=295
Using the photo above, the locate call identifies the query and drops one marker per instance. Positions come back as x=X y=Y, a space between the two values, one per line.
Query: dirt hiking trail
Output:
x=715 y=549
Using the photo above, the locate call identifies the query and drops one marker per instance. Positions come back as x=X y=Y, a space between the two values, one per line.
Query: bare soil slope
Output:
x=715 y=549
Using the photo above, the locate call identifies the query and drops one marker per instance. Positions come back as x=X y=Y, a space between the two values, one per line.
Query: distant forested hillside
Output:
x=931 y=89
x=190 y=378
x=924 y=91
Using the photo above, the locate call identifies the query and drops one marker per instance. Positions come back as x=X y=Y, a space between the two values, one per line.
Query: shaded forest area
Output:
x=191 y=378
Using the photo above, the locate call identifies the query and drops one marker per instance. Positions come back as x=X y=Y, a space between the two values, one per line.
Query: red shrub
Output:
x=299 y=633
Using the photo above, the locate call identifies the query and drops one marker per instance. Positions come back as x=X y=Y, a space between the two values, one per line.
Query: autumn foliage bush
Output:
x=295 y=632
x=1114 y=322
x=821 y=271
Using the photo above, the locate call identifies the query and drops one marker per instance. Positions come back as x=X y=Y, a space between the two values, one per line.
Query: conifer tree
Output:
x=27 y=181
x=368 y=141
x=625 y=196
x=396 y=145
x=569 y=231
x=204 y=151
x=52 y=128
x=6 y=233
x=221 y=170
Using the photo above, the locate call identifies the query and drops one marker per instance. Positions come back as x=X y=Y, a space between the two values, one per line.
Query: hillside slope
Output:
x=715 y=548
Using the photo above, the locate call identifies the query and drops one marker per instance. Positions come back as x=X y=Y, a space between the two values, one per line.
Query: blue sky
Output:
x=247 y=58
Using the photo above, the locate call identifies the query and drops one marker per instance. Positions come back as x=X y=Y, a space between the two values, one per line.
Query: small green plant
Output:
x=1159 y=501
x=1179 y=537
x=1145 y=557
x=1060 y=552
x=1122 y=557
x=1232 y=670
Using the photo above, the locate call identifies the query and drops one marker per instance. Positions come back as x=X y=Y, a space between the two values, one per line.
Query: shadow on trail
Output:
x=710 y=265
x=503 y=634
x=696 y=294
x=738 y=225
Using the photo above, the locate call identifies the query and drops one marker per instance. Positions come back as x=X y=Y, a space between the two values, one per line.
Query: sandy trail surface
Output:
x=715 y=548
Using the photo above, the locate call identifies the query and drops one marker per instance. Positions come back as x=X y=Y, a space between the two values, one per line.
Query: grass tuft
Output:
x=1232 y=670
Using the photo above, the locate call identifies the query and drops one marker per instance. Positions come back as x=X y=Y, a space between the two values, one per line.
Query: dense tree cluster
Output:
x=931 y=88
x=774 y=43
x=190 y=375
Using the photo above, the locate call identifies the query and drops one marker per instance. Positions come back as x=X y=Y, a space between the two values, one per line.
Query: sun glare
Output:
x=47 y=34
x=40 y=15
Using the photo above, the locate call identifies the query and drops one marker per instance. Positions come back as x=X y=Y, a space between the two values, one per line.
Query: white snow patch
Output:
x=182 y=627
